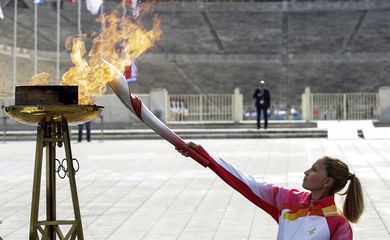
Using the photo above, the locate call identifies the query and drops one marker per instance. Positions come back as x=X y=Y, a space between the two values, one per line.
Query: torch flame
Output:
x=121 y=42
x=91 y=79
x=42 y=78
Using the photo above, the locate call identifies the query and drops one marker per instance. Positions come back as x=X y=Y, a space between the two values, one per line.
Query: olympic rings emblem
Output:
x=62 y=169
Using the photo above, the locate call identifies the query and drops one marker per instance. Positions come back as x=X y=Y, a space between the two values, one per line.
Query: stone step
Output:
x=248 y=124
x=184 y=133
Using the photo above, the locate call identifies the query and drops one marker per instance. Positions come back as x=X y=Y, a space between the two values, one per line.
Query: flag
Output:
x=94 y=5
x=72 y=1
x=39 y=1
x=134 y=7
x=131 y=72
x=1 y=12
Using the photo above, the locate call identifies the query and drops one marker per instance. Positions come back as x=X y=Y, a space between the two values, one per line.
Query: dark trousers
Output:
x=261 y=109
x=88 y=128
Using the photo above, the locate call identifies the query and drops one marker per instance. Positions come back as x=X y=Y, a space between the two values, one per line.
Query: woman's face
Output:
x=316 y=177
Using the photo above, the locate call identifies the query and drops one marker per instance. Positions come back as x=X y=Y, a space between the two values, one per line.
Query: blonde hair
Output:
x=354 y=202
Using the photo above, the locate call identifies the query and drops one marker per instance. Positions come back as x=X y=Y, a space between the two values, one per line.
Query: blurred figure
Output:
x=173 y=108
x=183 y=111
x=88 y=128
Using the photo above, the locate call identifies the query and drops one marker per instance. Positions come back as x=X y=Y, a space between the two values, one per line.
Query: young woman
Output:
x=300 y=214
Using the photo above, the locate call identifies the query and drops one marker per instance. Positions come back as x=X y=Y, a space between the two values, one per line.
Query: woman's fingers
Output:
x=191 y=144
x=184 y=150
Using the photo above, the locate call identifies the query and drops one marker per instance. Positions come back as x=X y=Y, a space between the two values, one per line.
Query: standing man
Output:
x=88 y=128
x=263 y=102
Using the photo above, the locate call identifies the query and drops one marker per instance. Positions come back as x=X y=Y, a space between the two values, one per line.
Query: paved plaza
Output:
x=144 y=189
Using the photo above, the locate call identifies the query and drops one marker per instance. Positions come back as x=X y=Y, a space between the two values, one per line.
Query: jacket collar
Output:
x=324 y=202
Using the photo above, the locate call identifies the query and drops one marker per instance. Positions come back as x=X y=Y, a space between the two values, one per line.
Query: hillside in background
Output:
x=213 y=47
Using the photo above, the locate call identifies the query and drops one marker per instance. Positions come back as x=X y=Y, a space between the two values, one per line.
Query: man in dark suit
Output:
x=263 y=102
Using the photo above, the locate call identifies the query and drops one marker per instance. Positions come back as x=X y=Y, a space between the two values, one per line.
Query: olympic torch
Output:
x=136 y=106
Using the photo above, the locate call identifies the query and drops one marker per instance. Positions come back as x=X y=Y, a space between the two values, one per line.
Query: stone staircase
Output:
x=245 y=129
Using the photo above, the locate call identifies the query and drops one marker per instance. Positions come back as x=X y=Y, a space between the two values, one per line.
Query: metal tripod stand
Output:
x=50 y=134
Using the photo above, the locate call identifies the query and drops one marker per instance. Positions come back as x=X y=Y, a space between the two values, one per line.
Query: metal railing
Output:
x=203 y=107
x=344 y=106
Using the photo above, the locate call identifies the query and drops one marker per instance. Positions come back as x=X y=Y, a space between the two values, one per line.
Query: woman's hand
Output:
x=184 y=150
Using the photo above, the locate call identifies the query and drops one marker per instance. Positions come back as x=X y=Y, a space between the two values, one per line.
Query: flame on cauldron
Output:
x=123 y=40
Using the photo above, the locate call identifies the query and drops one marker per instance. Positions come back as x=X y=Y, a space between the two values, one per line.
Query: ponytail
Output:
x=354 y=202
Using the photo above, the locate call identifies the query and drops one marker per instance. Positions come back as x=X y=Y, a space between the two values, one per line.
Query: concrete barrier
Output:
x=384 y=102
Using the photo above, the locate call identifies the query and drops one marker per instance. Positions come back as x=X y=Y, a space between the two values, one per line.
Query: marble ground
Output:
x=144 y=189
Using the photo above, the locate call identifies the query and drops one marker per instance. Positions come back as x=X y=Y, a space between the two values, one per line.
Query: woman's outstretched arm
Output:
x=267 y=196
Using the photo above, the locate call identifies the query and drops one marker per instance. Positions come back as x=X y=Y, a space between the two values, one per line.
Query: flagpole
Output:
x=1 y=12
x=14 y=49
x=58 y=41
x=79 y=17
x=102 y=15
x=35 y=37
x=124 y=8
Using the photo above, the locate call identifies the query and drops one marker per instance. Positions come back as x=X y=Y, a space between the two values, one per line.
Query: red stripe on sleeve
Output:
x=239 y=186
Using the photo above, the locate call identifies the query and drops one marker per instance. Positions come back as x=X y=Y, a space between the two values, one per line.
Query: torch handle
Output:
x=135 y=105
x=165 y=132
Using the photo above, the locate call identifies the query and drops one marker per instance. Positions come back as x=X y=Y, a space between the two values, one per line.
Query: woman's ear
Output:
x=329 y=182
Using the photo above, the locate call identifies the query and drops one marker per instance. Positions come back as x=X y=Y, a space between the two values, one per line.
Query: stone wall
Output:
x=333 y=46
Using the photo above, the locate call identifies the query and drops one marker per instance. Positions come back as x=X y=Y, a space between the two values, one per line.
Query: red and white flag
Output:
x=134 y=7
x=131 y=72
x=1 y=12
x=94 y=5
x=72 y=1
